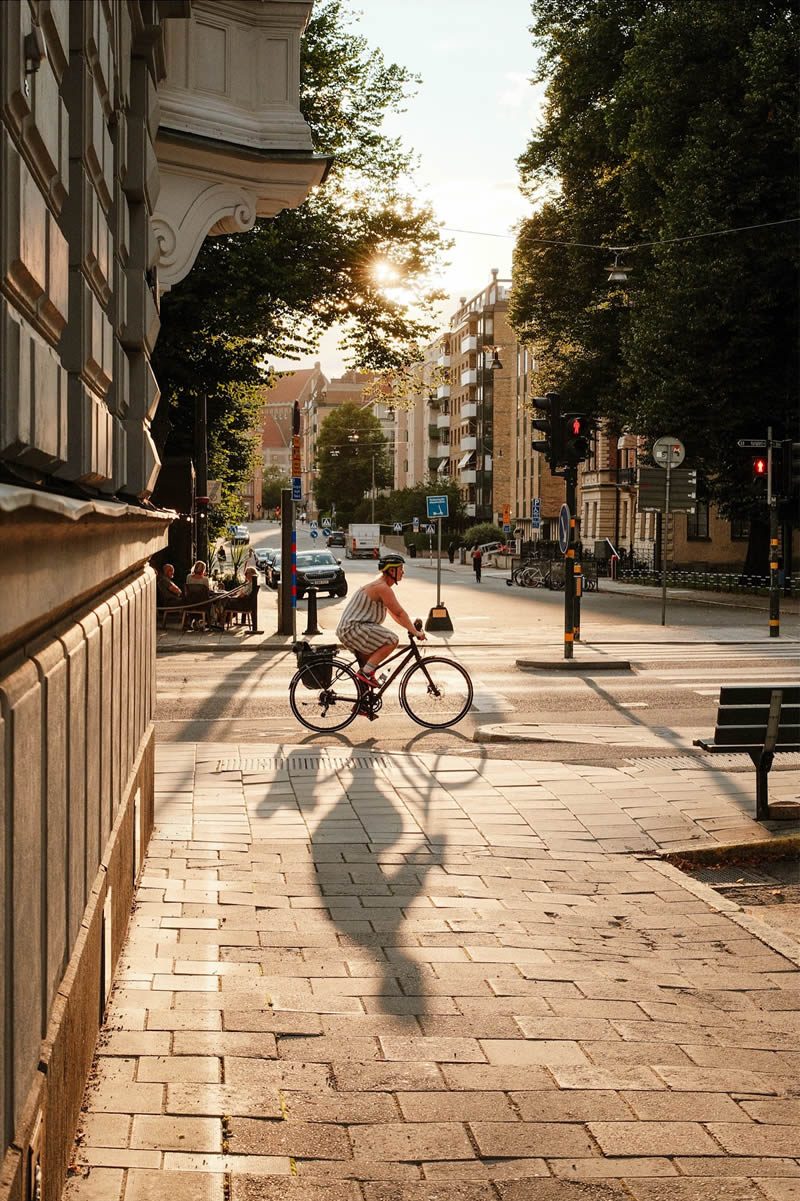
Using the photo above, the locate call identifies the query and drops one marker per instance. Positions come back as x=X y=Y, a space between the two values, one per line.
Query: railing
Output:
x=709 y=581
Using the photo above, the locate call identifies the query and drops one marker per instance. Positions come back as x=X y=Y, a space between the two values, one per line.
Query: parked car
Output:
x=336 y=538
x=273 y=569
x=323 y=570
x=240 y=535
x=317 y=567
x=260 y=555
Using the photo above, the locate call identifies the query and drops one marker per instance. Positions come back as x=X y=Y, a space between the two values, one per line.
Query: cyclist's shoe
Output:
x=364 y=711
x=367 y=677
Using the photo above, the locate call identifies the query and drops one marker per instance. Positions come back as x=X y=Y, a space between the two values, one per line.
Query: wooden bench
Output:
x=760 y=720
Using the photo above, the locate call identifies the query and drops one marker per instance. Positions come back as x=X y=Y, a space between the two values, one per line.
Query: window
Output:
x=697 y=522
x=740 y=530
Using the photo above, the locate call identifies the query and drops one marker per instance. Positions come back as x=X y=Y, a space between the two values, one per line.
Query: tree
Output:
x=666 y=123
x=273 y=480
x=357 y=253
x=350 y=445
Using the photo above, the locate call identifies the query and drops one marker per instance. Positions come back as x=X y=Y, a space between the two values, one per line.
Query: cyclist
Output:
x=360 y=627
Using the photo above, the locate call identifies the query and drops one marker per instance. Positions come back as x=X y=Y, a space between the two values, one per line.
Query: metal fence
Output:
x=710 y=581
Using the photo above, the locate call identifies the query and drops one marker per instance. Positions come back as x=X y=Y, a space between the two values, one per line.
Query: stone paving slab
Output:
x=465 y=987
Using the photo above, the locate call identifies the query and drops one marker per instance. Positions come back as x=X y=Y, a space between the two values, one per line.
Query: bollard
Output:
x=312 y=627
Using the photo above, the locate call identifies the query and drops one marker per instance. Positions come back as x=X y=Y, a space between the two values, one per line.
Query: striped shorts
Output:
x=364 y=637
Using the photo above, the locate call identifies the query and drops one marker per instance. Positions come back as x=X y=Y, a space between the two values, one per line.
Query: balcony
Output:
x=433 y=432
x=433 y=463
x=467 y=476
x=443 y=421
x=443 y=391
x=443 y=450
x=469 y=408
x=469 y=343
x=469 y=442
x=470 y=376
x=443 y=360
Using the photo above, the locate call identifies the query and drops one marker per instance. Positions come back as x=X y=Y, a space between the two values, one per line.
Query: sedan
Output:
x=317 y=567
x=261 y=555
x=240 y=535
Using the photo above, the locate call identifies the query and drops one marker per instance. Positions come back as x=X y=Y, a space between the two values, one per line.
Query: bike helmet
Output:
x=391 y=560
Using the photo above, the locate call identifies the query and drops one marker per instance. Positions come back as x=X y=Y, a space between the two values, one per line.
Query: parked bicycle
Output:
x=325 y=695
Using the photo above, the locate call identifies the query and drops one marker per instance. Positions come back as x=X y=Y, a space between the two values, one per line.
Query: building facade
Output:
x=131 y=130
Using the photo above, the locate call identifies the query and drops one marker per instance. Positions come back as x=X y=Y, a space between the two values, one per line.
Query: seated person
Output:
x=198 y=590
x=243 y=598
x=168 y=594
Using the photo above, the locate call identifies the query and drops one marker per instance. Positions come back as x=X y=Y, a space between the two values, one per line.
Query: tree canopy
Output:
x=350 y=445
x=356 y=254
x=669 y=129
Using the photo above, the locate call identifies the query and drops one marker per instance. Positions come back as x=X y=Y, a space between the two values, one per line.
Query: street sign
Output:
x=653 y=489
x=415 y=524
x=297 y=491
x=506 y=517
x=669 y=450
x=314 y=533
x=430 y=529
x=326 y=523
x=755 y=443
x=437 y=506
x=296 y=464
x=564 y=517
x=398 y=527
x=536 y=512
x=313 y=525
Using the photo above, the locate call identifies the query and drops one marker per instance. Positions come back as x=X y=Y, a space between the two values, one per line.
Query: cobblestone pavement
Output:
x=355 y=976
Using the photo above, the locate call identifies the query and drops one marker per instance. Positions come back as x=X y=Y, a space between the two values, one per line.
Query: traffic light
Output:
x=576 y=438
x=551 y=426
x=760 y=467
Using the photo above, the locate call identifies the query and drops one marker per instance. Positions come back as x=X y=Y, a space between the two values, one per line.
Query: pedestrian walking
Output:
x=477 y=560
x=451 y=551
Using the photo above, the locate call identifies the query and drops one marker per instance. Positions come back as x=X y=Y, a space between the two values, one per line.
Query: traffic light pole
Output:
x=774 y=588
x=571 y=481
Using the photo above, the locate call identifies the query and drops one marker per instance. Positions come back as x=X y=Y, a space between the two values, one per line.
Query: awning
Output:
x=467 y=460
x=444 y=467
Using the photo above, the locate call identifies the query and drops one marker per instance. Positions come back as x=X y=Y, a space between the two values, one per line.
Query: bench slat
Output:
x=757 y=694
x=754 y=735
x=742 y=715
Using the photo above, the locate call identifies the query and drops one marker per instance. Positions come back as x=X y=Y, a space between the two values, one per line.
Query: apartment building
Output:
x=475 y=418
x=321 y=401
x=531 y=478
x=296 y=387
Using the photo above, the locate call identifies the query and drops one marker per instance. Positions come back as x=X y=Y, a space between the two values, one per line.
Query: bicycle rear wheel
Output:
x=325 y=695
x=436 y=692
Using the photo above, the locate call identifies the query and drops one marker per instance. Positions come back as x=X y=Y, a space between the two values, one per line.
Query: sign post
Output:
x=438 y=509
x=668 y=452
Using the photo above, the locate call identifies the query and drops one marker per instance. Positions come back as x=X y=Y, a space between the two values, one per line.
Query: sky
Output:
x=469 y=121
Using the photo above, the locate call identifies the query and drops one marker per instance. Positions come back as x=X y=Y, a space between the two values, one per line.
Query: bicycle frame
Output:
x=405 y=654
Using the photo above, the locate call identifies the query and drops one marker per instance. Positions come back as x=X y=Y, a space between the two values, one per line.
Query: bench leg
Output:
x=763 y=762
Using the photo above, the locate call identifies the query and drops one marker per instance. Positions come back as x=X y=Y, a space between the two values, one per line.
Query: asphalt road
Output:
x=673 y=680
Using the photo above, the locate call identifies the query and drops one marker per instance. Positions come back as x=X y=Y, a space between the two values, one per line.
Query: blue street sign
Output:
x=326 y=523
x=398 y=527
x=415 y=523
x=437 y=506
x=536 y=513
x=563 y=529
x=430 y=529
x=314 y=533
x=506 y=529
x=297 y=492
x=312 y=525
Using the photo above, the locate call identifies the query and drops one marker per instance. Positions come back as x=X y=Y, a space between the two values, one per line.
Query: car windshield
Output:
x=316 y=558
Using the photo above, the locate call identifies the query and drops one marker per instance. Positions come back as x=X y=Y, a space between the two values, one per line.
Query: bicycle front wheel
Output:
x=325 y=695
x=436 y=692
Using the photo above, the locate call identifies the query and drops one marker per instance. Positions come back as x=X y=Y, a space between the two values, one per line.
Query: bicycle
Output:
x=435 y=692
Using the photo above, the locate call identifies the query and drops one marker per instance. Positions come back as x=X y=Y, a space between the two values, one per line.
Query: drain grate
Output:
x=703 y=762
x=731 y=875
x=301 y=763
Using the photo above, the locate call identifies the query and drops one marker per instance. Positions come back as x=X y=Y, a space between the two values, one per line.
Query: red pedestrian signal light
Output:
x=577 y=424
x=759 y=467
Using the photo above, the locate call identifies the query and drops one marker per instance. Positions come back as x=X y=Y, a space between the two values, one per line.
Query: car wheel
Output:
x=342 y=591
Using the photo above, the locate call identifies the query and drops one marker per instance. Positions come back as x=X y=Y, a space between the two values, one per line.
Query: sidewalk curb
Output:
x=774 y=939
x=574 y=664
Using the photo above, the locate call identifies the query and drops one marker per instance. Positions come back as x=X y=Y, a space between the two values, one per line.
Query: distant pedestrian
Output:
x=477 y=560
x=451 y=551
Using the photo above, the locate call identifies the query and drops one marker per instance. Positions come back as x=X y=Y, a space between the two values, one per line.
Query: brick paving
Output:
x=357 y=976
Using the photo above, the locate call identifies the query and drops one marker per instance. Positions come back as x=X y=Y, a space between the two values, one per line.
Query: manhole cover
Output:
x=731 y=875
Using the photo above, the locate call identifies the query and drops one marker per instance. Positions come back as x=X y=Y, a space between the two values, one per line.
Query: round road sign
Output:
x=314 y=533
x=564 y=518
x=668 y=450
